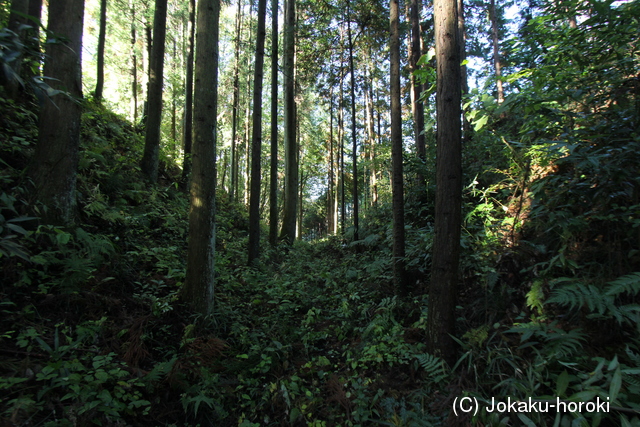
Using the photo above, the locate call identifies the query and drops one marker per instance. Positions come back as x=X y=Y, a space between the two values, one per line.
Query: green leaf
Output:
x=294 y=415
x=426 y=58
x=102 y=376
x=526 y=420
x=105 y=396
x=616 y=384
x=46 y=347
x=479 y=124
x=583 y=396
x=563 y=382
x=17 y=228
x=63 y=238
x=198 y=400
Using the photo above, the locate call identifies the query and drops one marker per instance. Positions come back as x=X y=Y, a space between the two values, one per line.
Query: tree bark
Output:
x=372 y=142
x=417 y=106
x=495 y=38
x=102 y=35
x=247 y=117
x=150 y=158
x=146 y=67
x=233 y=191
x=464 y=85
x=198 y=289
x=399 y=275
x=134 y=64
x=288 y=232
x=331 y=206
x=273 y=171
x=187 y=135
x=446 y=246
x=341 y=132
x=256 y=138
x=55 y=162
x=354 y=139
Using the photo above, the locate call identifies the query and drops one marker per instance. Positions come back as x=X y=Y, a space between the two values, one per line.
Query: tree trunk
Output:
x=396 y=153
x=150 y=158
x=233 y=191
x=354 y=139
x=464 y=85
x=496 y=49
x=288 y=232
x=247 y=117
x=134 y=64
x=146 y=69
x=225 y=164
x=55 y=161
x=102 y=35
x=174 y=94
x=273 y=171
x=256 y=139
x=300 y=200
x=198 y=289
x=343 y=209
x=417 y=106
x=371 y=145
x=374 y=173
x=446 y=245
x=187 y=134
x=331 y=213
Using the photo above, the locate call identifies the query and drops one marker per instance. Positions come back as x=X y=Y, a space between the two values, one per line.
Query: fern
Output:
x=626 y=284
x=601 y=303
x=578 y=295
x=561 y=343
x=159 y=371
x=433 y=366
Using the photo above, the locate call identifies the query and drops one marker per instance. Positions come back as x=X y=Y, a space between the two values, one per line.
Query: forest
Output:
x=320 y=213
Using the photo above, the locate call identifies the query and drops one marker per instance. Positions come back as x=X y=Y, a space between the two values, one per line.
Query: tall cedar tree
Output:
x=256 y=138
x=247 y=115
x=417 y=105
x=288 y=232
x=187 y=136
x=233 y=190
x=396 y=152
x=273 y=172
x=331 y=199
x=354 y=139
x=55 y=161
x=462 y=34
x=102 y=36
x=446 y=246
x=343 y=208
x=150 y=158
x=134 y=62
x=198 y=289
x=495 y=39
